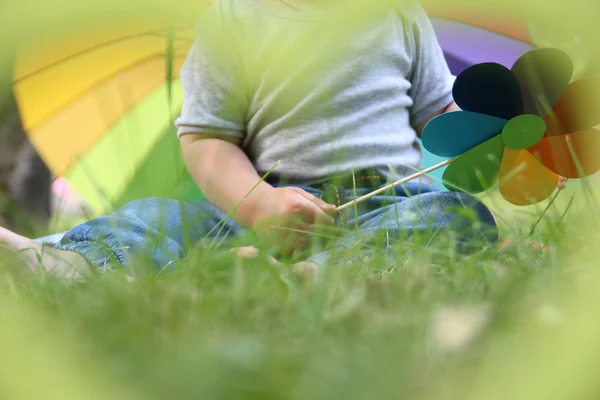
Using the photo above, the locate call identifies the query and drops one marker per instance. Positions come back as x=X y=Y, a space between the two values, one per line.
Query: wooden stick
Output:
x=393 y=185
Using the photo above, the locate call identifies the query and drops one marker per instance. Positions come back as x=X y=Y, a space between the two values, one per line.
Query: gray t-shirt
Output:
x=323 y=93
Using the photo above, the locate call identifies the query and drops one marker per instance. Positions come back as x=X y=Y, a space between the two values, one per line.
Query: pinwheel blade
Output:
x=453 y=133
x=488 y=88
x=543 y=75
x=523 y=180
x=476 y=170
x=577 y=109
x=573 y=156
x=523 y=131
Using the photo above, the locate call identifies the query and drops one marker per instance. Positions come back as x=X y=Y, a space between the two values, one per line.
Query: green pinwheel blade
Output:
x=523 y=131
x=476 y=170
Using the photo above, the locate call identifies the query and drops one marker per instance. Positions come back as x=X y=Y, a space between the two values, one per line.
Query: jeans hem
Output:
x=99 y=256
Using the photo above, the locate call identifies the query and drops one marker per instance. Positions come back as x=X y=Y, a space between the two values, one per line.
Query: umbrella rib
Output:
x=110 y=124
x=186 y=39
x=90 y=49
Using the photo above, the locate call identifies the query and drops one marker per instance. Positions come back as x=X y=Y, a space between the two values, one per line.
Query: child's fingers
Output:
x=291 y=243
x=291 y=236
x=314 y=214
x=246 y=252
x=319 y=202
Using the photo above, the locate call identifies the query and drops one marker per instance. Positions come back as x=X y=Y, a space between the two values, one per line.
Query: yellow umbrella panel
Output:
x=99 y=112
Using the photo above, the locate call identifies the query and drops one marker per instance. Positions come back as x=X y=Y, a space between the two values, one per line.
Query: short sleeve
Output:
x=431 y=79
x=213 y=82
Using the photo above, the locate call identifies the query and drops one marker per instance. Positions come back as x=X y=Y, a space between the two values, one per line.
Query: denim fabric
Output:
x=164 y=230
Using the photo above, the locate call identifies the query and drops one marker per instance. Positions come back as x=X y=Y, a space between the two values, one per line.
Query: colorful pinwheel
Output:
x=522 y=127
x=474 y=35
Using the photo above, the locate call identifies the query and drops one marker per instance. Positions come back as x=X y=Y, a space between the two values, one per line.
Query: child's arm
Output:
x=212 y=130
x=211 y=126
x=451 y=107
x=225 y=176
x=228 y=179
x=431 y=79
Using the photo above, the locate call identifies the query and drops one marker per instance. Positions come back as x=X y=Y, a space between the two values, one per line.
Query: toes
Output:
x=62 y=263
x=305 y=270
x=26 y=249
x=537 y=246
x=249 y=252
x=246 y=252
x=533 y=245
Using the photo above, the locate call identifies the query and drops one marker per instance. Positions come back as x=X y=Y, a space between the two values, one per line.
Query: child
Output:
x=317 y=91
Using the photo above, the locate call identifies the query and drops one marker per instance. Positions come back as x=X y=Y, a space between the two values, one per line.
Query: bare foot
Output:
x=252 y=252
x=303 y=269
x=61 y=263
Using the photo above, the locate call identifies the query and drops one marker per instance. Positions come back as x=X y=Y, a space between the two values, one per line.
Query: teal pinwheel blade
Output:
x=476 y=170
x=454 y=133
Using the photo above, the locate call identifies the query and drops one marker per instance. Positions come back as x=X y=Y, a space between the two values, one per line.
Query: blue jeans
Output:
x=163 y=231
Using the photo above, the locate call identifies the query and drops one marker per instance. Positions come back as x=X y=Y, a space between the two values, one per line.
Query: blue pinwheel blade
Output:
x=488 y=88
x=454 y=133
x=543 y=75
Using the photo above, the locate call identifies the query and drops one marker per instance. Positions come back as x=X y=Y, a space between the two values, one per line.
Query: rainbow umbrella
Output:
x=99 y=105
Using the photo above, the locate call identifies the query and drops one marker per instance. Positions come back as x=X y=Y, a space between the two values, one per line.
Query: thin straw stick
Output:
x=393 y=185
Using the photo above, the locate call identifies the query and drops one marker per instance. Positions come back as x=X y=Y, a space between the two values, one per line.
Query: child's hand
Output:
x=282 y=212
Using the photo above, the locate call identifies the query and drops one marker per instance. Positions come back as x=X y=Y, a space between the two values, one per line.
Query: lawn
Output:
x=515 y=324
x=494 y=325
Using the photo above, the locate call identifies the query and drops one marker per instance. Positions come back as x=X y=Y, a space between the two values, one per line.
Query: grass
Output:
x=511 y=325
x=222 y=328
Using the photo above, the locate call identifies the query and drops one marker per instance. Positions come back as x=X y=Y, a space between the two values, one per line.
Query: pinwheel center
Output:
x=523 y=131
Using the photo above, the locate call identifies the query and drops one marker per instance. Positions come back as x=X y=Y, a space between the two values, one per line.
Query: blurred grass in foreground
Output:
x=481 y=327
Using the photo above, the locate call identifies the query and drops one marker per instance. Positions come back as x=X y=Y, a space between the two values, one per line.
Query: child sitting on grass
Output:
x=334 y=97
